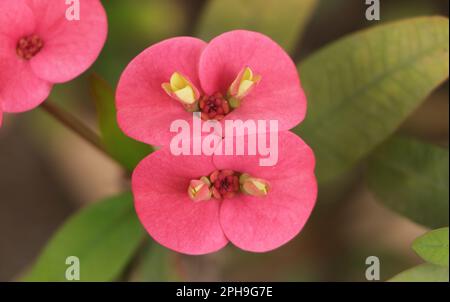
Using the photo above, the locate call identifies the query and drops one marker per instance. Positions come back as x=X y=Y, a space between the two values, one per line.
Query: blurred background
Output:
x=47 y=172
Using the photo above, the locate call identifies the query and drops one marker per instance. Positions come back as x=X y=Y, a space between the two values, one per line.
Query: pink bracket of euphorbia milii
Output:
x=174 y=217
x=266 y=76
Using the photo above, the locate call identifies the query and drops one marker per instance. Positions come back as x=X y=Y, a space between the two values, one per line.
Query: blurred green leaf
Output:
x=283 y=21
x=150 y=21
x=125 y=150
x=412 y=178
x=158 y=264
x=400 y=9
x=104 y=236
x=423 y=273
x=361 y=88
x=433 y=246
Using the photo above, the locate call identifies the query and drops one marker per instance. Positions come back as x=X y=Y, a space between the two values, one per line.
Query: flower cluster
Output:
x=196 y=204
x=192 y=204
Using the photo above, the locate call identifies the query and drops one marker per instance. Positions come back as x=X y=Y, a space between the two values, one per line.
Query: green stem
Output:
x=74 y=124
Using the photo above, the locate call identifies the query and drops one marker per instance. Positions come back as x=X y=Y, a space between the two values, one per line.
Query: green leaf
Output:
x=433 y=246
x=104 y=236
x=125 y=150
x=362 y=87
x=412 y=178
x=158 y=264
x=262 y=16
x=423 y=273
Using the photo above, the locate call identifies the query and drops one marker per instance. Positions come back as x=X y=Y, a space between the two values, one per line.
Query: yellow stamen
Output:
x=181 y=89
x=243 y=84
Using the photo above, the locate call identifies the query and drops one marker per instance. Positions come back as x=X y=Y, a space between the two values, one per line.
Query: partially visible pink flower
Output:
x=239 y=75
x=256 y=208
x=39 y=46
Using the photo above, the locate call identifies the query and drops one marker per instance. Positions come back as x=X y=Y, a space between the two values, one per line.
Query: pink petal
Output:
x=261 y=224
x=20 y=88
x=70 y=47
x=16 y=19
x=160 y=184
x=278 y=96
x=1 y=115
x=144 y=110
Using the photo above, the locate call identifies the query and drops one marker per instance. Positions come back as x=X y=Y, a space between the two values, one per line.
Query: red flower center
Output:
x=29 y=46
x=214 y=107
x=225 y=184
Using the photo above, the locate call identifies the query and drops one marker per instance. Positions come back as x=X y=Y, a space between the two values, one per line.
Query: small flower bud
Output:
x=254 y=186
x=200 y=190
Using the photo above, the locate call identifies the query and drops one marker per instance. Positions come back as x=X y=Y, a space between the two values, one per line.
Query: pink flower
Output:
x=197 y=204
x=39 y=46
x=239 y=75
